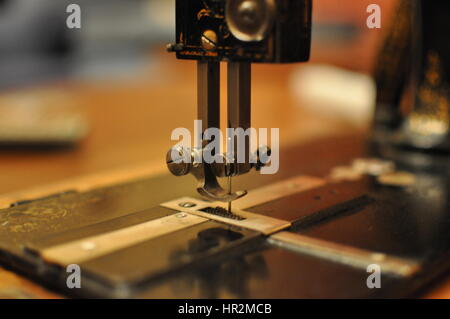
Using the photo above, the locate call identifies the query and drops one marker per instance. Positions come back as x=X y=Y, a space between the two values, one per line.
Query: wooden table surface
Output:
x=131 y=122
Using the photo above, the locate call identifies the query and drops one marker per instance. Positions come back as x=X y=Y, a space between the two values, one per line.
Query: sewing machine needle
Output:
x=229 y=192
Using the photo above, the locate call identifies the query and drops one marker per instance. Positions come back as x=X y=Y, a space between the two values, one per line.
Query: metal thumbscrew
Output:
x=263 y=155
x=179 y=161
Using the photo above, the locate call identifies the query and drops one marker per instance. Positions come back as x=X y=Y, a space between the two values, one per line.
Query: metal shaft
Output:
x=208 y=94
x=239 y=111
x=229 y=192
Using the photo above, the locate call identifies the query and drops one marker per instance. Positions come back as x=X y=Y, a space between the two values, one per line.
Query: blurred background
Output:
x=78 y=101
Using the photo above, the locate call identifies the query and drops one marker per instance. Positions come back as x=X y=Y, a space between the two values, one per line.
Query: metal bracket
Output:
x=260 y=223
x=343 y=254
x=99 y=245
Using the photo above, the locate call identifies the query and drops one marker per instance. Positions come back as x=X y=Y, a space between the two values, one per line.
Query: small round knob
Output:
x=179 y=161
x=263 y=155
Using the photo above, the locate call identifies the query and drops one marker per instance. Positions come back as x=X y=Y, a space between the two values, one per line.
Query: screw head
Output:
x=187 y=204
x=181 y=215
x=209 y=40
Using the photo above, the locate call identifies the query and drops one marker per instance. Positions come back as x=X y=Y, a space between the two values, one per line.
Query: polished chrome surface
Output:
x=250 y=20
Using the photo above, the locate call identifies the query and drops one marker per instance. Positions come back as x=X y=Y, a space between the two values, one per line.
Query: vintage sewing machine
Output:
x=326 y=225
